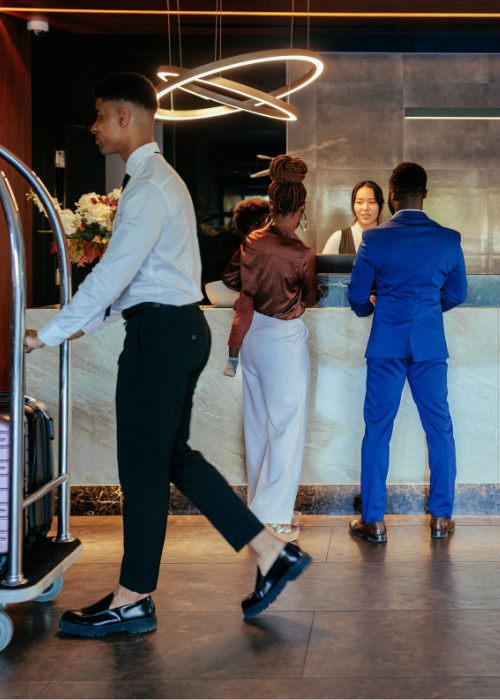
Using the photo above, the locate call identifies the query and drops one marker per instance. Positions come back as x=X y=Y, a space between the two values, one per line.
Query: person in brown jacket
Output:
x=278 y=270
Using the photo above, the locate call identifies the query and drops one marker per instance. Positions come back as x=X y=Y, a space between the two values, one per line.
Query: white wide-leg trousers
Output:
x=276 y=375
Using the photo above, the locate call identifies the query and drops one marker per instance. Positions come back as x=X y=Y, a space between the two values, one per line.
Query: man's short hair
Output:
x=408 y=180
x=130 y=87
x=250 y=214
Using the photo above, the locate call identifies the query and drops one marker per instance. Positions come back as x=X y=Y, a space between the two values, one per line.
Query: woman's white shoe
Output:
x=287 y=533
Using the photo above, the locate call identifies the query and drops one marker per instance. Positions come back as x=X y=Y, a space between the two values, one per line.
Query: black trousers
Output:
x=165 y=351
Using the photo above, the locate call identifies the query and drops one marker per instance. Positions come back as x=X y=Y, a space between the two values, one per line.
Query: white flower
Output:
x=70 y=221
x=39 y=205
x=41 y=208
x=97 y=213
x=115 y=194
x=85 y=201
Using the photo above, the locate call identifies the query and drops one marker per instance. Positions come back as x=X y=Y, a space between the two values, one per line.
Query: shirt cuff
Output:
x=51 y=334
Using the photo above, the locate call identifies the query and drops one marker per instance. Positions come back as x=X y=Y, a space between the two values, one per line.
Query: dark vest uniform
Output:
x=347 y=246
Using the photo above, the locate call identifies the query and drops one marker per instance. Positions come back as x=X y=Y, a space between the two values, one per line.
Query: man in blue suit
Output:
x=420 y=272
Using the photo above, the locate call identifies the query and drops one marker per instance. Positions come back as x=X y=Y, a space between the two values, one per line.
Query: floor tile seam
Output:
x=294 y=679
x=328 y=547
x=427 y=560
x=318 y=676
x=45 y=687
x=354 y=562
x=266 y=679
x=57 y=614
x=308 y=642
x=246 y=678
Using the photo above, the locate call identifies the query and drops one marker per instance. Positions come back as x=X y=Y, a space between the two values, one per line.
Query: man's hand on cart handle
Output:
x=76 y=335
x=33 y=342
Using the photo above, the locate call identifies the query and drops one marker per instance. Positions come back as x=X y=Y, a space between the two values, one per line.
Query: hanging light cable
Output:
x=220 y=30
x=308 y=25
x=216 y=26
x=203 y=83
x=170 y=50
x=169 y=37
x=180 y=40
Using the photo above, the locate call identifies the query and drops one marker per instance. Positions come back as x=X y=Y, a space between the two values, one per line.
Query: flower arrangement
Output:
x=89 y=228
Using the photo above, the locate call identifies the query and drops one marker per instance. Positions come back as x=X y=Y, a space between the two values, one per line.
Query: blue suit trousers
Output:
x=428 y=383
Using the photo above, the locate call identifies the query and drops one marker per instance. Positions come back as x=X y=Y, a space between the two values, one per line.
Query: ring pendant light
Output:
x=266 y=104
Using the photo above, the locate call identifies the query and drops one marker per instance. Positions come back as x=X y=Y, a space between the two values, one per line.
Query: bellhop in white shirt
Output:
x=367 y=203
x=150 y=274
x=152 y=256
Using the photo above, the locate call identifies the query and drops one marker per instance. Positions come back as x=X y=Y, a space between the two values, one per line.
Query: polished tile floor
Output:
x=412 y=618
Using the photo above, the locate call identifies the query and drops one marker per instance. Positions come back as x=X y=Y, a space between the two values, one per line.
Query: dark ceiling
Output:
x=114 y=16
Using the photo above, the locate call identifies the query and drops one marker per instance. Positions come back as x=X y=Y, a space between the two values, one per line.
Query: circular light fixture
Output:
x=197 y=81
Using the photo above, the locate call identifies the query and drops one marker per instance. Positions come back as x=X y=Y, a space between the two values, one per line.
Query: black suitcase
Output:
x=39 y=467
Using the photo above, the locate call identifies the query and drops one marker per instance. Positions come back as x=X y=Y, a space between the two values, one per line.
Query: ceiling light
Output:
x=452 y=112
x=258 y=102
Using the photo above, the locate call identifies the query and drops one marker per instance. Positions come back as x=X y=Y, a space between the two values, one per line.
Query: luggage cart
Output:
x=38 y=574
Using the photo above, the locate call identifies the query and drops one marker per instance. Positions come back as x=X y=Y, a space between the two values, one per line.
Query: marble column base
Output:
x=311 y=499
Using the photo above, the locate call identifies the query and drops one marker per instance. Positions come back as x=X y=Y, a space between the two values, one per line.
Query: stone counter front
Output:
x=331 y=467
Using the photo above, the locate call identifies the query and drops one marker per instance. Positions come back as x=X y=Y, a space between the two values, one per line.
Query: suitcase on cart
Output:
x=39 y=470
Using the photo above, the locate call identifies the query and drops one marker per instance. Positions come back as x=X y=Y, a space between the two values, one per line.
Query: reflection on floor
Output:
x=413 y=618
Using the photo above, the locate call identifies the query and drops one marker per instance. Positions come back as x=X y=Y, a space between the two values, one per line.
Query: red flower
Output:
x=91 y=253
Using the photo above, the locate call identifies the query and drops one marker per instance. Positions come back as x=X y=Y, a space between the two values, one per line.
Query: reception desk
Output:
x=331 y=466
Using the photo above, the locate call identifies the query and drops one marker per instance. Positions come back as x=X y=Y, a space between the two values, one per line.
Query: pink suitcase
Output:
x=4 y=484
x=4 y=478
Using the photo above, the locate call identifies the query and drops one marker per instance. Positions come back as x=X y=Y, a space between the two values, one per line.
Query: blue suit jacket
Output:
x=420 y=271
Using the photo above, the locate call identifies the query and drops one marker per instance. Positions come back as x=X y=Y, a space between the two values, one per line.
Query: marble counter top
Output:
x=483 y=291
x=335 y=429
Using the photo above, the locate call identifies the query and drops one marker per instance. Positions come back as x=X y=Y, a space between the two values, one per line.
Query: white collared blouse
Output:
x=333 y=243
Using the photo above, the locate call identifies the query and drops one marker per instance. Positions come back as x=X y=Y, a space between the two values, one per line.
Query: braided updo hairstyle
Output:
x=286 y=191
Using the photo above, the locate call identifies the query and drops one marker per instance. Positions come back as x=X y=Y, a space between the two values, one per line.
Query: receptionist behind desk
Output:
x=367 y=202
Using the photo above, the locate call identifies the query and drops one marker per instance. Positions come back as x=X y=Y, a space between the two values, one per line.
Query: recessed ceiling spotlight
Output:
x=38 y=27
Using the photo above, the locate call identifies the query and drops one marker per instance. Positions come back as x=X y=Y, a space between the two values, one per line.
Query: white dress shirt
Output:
x=332 y=246
x=400 y=210
x=153 y=254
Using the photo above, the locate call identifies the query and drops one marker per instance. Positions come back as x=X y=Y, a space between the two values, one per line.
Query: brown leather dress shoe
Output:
x=440 y=527
x=374 y=532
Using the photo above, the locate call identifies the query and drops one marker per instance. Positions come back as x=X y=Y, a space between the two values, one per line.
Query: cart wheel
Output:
x=51 y=592
x=6 y=630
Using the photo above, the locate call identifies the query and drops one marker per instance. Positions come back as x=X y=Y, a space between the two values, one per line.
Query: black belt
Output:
x=128 y=313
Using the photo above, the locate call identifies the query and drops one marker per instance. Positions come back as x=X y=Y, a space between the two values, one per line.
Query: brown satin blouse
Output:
x=278 y=270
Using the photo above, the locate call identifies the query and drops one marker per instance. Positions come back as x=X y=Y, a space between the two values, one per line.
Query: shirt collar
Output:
x=140 y=154
x=402 y=211
x=283 y=231
x=357 y=228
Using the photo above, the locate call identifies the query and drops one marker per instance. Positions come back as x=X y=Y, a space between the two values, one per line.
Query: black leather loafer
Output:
x=288 y=566
x=97 y=620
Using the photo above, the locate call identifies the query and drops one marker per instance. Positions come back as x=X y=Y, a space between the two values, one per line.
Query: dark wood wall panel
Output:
x=15 y=134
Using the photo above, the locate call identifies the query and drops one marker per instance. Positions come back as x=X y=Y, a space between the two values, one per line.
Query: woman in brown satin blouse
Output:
x=278 y=270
